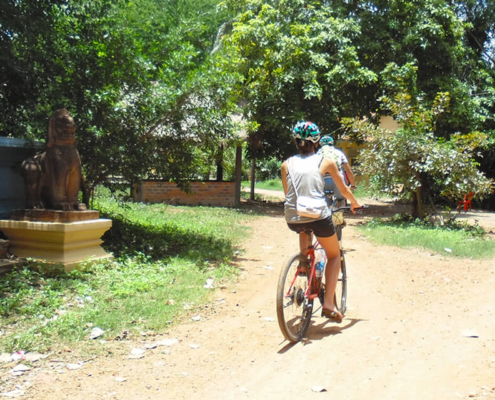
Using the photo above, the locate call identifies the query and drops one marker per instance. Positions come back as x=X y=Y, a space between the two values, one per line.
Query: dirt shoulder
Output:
x=419 y=326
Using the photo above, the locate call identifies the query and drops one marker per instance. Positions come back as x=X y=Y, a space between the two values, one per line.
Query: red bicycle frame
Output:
x=313 y=289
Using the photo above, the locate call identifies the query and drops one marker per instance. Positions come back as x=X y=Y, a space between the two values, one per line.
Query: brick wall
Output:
x=202 y=193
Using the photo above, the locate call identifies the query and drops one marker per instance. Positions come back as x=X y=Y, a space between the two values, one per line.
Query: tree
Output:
x=434 y=36
x=479 y=16
x=425 y=165
x=299 y=62
x=137 y=77
x=480 y=26
x=324 y=60
x=21 y=22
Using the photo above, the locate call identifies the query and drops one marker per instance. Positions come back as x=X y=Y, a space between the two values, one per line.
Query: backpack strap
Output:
x=289 y=164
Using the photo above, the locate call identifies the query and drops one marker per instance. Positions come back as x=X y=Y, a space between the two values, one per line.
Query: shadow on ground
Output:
x=266 y=208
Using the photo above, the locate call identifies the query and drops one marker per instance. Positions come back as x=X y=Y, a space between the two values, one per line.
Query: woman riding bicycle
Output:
x=302 y=176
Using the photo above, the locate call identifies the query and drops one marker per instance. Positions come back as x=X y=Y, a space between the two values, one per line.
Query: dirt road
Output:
x=419 y=326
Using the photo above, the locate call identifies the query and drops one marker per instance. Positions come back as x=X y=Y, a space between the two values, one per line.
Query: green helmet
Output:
x=326 y=140
x=307 y=130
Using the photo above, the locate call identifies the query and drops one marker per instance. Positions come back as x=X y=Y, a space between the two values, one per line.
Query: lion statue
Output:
x=53 y=178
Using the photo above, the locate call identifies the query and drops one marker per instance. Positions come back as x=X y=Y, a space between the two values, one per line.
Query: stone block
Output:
x=53 y=215
x=66 y=243
x=4 y=248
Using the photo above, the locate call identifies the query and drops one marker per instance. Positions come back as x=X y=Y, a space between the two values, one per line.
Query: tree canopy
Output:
x=425 y=166
x=334 y=59
x=137 y=77
x=152 y=89
x=324 y=60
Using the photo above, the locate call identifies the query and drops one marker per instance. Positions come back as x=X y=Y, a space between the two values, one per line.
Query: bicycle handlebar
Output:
x=345 y=209
x=348 y=208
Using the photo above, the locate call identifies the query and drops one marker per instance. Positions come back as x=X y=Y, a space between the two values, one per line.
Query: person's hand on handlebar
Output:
x=354 y=206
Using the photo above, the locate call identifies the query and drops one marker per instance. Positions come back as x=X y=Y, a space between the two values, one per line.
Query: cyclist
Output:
x=302 y=175
x=328 y=150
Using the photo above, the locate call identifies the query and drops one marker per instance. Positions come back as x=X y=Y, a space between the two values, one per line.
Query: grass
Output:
x=362 y=190
x=164 y=255
x=272 y=184
x=453 y=240
x=365 y=191
x=196 y=233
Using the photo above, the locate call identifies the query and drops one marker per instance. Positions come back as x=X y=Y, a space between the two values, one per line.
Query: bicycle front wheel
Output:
x=340 y=298
x=293 y=308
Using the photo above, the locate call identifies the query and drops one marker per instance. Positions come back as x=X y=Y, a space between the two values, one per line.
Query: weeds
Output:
x=453 y=238
x=164 y=255
x=272 y=184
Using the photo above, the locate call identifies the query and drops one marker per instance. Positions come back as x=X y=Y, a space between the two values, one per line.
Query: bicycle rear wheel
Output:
x=293 y=309
x=340 y=298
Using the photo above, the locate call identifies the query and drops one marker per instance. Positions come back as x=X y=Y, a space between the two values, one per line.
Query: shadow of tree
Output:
x=160 y=241
x=262 y=208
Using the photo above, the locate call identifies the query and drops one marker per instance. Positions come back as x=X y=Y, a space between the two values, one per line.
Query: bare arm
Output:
x=329 y=166
x=283 y=172
x=350 y=174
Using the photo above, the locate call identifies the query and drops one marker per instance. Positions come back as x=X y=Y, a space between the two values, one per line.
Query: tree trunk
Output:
x=238 y=175
x=418 y=209
x=253 y=177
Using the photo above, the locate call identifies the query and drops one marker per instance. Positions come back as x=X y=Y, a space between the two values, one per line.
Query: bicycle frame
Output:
x=295 y=297
x=313 y=289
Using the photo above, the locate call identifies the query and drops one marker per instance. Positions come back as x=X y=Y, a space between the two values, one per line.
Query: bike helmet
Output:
x=307 y=130
x=324 y=140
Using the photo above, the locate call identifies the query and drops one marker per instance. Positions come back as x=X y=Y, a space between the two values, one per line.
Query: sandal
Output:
x=334 y=316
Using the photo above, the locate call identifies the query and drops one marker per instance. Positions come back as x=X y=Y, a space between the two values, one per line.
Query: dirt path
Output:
x=405 y=336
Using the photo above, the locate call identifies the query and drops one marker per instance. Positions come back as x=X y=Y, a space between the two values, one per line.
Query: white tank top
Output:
x=308 y=181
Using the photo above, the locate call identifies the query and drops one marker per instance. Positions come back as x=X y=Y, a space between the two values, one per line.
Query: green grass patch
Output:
x=164 y=257
x=365 y=191
x=362 y=190
x=160 y=230
x=272 y=184
x=454 y=240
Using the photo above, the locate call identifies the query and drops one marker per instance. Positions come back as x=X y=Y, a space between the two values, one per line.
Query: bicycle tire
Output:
x=340 y=297
x=293 y=311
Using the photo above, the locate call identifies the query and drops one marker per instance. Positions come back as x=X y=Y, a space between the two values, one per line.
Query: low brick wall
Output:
x=202 y=193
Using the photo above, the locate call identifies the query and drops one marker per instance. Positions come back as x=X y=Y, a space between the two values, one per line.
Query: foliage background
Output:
x=153 y=83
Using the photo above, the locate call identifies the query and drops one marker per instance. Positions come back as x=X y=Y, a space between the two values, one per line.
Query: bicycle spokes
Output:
x=294 y=308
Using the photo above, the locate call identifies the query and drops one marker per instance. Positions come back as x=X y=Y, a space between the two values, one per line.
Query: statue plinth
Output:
x=4 y=248
x=66 y=243
x=53 y=215
x=53 y=179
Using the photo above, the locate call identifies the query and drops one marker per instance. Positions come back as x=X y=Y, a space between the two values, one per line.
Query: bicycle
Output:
x=298 y=286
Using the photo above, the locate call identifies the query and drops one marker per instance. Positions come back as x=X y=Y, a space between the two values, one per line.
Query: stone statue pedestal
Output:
x=4 y=247
x=57 y=237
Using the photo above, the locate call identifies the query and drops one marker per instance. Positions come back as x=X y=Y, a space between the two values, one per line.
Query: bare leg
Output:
x=332 y=249
x=305 y=241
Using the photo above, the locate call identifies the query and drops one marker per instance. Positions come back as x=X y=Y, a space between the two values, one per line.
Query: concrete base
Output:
x=66 y=243
x=4 y=248
x=54 y=215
